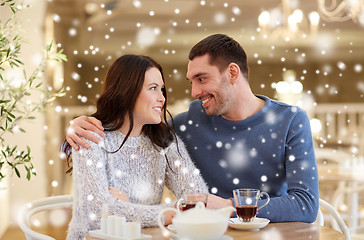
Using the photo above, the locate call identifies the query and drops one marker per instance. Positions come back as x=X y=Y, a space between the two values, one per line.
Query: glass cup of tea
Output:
x=246 y=203
x=189 y=200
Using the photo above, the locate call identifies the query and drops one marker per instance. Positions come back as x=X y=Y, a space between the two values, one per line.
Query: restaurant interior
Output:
x=305 y=53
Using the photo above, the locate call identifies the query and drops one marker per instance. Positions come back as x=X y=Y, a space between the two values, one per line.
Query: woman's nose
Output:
x=161 y=97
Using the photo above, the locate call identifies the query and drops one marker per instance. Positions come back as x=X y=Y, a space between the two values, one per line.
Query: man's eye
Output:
x=201 y=79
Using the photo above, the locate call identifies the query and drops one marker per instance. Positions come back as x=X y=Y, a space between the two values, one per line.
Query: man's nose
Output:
x=195 y=90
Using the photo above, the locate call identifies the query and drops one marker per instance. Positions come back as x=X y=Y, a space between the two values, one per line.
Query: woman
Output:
x=139 y=155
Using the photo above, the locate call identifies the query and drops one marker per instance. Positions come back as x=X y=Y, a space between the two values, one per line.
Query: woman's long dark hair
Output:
x=122 y=85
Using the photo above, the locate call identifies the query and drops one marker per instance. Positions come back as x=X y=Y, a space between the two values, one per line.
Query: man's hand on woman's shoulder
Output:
x=78 y=128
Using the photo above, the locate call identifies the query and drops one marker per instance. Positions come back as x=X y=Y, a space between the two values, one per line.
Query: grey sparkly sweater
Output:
x=138 y=169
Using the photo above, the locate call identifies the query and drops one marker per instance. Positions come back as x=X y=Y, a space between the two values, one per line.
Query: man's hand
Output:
x=118 y=194
x=214 y=201
x=78 y=129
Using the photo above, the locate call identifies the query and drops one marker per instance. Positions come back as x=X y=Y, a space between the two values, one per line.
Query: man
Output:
x=241 y=140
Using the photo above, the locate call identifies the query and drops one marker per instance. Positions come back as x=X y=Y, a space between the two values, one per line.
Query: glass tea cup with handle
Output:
x=246 y=203
x=189 y=200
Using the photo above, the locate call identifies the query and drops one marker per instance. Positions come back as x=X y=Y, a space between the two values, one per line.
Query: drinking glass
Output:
x=189 y=200
x=246 y=203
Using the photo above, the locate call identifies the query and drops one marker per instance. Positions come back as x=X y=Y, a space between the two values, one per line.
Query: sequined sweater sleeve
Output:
x=138 y=169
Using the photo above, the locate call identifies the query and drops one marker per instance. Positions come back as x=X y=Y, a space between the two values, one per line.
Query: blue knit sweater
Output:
x=271 y=150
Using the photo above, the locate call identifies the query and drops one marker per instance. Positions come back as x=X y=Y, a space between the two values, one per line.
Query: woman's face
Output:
x=148 y=106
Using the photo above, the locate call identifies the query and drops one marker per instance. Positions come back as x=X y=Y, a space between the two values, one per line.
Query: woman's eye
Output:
x=153 y=88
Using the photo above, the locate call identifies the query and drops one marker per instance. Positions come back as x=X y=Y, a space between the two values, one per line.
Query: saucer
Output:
x=171 y=227
x=99 y=234
x=255 y=225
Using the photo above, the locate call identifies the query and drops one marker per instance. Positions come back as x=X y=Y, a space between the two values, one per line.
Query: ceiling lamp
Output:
x=289 y=90
x=342 y=10
x=284 y=21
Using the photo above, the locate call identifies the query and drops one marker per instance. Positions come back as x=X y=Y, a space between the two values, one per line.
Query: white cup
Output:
x=131 y=230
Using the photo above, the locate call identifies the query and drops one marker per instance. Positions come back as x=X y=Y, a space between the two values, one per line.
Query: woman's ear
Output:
x=234 y=71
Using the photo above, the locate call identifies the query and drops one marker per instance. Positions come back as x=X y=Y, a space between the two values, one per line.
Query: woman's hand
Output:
x=168 y=216
x=118 y=194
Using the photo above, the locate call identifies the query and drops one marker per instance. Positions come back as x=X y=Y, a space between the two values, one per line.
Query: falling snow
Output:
x=264 y=178
x=322 y=82
x=236 y=157
x=146 y=37
x=271 y=118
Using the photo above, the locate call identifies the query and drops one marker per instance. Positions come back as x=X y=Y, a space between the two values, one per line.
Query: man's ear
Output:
x=233 y=71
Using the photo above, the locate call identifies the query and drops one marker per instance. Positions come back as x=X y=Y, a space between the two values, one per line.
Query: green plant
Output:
x=15 y=92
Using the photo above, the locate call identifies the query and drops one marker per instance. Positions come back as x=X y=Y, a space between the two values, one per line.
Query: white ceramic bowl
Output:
x=200 y=231
x=198 y=223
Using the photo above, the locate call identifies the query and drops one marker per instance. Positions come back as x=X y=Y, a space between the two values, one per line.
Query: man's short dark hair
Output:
x=222 y=50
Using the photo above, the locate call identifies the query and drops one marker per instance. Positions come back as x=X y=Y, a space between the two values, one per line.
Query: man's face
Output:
x=209 y=85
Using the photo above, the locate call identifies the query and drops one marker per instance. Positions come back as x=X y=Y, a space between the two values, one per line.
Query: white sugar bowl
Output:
x=198 y=223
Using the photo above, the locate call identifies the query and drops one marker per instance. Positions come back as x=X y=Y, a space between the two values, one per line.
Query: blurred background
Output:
x=307 y=53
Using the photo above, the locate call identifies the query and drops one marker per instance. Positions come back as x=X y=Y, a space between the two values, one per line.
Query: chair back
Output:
x=330 y=209
x=29 y=209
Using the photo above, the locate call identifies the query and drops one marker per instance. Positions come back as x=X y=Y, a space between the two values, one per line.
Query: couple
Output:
x=235 y=139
